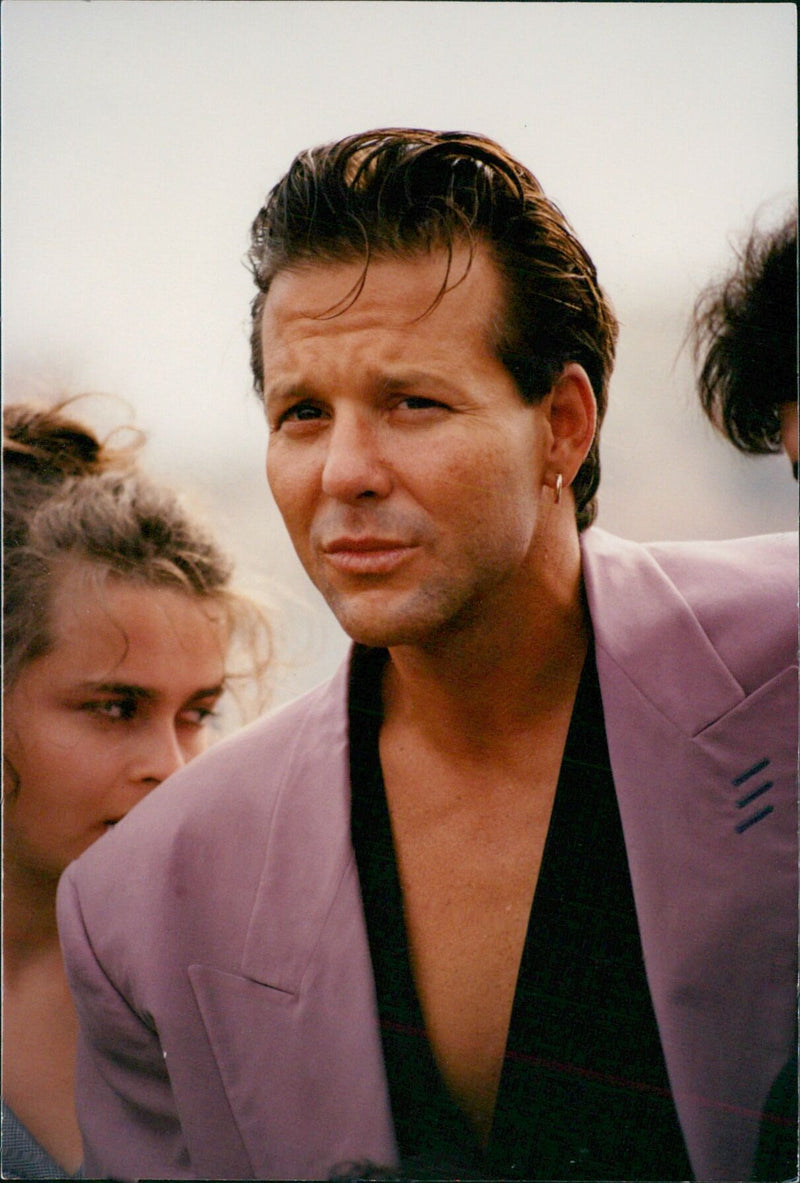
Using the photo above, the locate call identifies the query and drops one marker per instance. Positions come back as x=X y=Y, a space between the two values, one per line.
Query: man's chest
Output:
x=468 y=873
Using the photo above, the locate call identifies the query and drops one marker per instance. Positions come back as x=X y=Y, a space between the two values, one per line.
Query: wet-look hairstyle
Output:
x=744 y=333
x=69 y=499
x=400 y=192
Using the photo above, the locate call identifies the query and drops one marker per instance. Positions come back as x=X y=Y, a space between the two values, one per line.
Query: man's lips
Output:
x=366 y=556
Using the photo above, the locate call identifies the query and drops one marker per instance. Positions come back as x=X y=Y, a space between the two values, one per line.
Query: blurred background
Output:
x=140 y=138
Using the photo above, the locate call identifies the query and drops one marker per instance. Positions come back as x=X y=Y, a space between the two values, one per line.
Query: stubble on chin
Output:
x=425 y=617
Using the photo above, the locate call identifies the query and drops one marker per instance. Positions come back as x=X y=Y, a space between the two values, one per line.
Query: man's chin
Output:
x=380 y=629
x=422 y=617
x=382 y=636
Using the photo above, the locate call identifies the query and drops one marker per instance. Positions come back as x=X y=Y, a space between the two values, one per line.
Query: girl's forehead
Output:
x=103 y=624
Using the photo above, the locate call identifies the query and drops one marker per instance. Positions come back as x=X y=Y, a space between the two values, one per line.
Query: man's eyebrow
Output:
x=279 y=391
x=391 y=383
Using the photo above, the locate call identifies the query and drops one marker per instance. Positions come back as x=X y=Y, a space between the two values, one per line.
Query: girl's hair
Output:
x=69 y=497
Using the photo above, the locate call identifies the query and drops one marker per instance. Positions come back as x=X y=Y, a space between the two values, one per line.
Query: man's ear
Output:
x=573 y=419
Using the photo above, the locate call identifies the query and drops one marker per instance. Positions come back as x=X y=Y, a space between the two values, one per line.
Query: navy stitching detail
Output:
x=751 y=821
x=755 y=793
x=739 y=780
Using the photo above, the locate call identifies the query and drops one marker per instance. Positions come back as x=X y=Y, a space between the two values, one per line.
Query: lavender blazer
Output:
x=215 y=940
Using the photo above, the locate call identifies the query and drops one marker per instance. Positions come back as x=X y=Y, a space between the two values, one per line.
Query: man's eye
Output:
x=418 y=402
x=301 y=413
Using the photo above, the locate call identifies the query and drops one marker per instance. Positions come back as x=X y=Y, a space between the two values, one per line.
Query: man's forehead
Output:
x=330 y=288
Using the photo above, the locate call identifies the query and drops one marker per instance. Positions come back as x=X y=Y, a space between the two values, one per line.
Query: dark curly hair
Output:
x=403 y=191
x=744 y=334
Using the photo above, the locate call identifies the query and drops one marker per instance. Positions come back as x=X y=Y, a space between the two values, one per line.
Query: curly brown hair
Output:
x=403 y=191
x=70 y=497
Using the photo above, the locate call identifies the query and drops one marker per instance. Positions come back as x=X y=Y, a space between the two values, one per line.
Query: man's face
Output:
x=405 y=464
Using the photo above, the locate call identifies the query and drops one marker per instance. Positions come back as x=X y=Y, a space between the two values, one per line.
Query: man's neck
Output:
x=485 y=684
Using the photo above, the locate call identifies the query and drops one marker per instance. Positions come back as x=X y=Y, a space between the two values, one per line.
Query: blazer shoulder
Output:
x=742 y=592
x=210 y=823
x=764 y=567
x=753 y=558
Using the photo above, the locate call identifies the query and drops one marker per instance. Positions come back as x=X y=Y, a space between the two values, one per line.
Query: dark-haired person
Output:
x=745 y=340
x=514 y=895
x=118 y=619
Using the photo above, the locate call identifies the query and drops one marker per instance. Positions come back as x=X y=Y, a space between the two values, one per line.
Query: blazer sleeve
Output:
x=127 y=1111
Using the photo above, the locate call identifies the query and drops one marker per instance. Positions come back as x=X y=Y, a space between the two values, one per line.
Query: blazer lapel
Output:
x=645 y=627
x=295 y=1034
x=309 y=847
x=706 y=789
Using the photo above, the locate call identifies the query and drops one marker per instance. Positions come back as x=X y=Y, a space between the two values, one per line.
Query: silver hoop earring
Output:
x=558 y=488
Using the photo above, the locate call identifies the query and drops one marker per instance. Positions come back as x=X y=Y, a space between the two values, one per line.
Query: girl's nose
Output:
x=159 y=755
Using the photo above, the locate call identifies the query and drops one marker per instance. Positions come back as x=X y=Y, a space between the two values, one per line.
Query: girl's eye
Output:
x=197 y=716
x=116 y=709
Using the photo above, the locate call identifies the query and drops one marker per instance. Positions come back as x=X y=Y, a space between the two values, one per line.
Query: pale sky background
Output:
x=140 y=137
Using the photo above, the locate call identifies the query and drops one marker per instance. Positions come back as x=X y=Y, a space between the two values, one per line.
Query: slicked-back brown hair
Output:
x=398 y=192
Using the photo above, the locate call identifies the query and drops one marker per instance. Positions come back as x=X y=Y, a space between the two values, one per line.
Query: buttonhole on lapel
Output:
x=751 y=821
x=740 y=804
x=752 y=795
x=739 y=780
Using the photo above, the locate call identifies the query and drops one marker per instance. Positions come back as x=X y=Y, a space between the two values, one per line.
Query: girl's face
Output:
x=119 y=703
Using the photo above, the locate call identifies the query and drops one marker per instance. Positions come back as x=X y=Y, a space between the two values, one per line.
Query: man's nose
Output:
x=355 y=466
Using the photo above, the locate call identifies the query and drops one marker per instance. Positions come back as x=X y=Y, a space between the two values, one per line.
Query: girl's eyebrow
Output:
x=210 y=692
x=128 y=689
x=143 y=693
